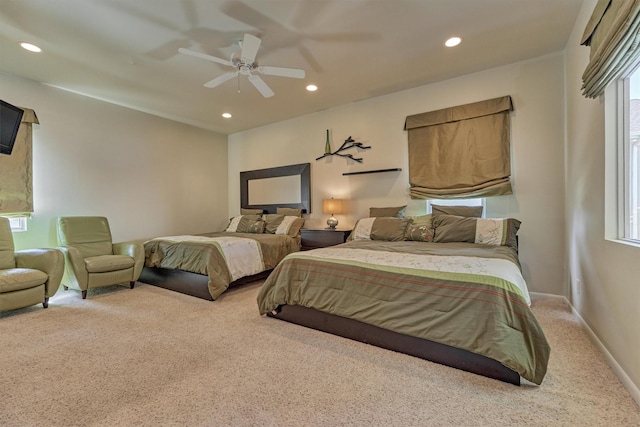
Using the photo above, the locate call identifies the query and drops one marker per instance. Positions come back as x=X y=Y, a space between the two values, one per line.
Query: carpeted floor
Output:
x=149 y=356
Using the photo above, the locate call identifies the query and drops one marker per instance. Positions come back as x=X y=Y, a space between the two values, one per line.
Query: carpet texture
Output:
x=149 y=357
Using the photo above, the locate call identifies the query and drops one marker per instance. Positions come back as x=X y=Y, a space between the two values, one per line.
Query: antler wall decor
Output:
x=346 y=145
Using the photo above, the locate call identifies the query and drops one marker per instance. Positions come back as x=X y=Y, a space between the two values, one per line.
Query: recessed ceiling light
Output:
x=453 y=41
x=30 y=47
x=227 y=115
x=312 y=88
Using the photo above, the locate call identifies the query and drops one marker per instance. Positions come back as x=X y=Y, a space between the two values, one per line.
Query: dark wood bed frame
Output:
x=185 y=282
x=418 y=347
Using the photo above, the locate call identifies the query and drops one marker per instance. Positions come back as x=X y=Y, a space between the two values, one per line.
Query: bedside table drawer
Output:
x=312 y=239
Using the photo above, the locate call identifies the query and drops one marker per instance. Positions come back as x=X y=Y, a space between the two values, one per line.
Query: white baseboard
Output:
x=539 y=295
x=633 y=389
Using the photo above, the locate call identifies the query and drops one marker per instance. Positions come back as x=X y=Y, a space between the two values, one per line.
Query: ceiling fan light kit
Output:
x=246 y=65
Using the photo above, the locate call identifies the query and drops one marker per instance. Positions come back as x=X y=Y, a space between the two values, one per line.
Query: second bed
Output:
x=205 y=265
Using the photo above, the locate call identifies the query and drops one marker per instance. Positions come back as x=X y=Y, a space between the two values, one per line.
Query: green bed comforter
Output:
x=207 y=257
x=464 y=295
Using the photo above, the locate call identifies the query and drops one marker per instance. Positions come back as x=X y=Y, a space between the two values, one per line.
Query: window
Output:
x=16 y=171
x=612 y=35
x=18 y=223
x=629 y=157
x=458 y=202
x=461 y=151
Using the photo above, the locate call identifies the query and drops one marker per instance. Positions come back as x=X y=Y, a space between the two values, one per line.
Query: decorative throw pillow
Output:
x=420 y=229
x=235 y=221
x=380 y=228
x=289 y=212
x=244 y=211
x=251 y=226
x=290 y=225
x=425 y=220
x=419 y=233
x=468 y=211
x=397 y=212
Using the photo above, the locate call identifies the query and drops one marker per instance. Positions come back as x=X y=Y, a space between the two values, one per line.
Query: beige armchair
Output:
x=29 y=276
x=92 y=260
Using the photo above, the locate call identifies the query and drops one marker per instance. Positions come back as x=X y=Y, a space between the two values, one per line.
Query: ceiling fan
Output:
x=246 y=65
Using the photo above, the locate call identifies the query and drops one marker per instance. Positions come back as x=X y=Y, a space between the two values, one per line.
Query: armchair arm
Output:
x=75 y=271
x=49 y=261
x=136 y=251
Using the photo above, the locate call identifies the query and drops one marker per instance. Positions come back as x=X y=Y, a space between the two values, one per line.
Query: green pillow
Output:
x=397 y=212
x=420 y=229
x=234 y=223
x=487 y=231
x=244 y=211
x=253 y=226
x=289 y=212
x=290 y=226
x=449 y=228
x=272 y=222
x=381 y=228
x=283 y=224
x=468 y=211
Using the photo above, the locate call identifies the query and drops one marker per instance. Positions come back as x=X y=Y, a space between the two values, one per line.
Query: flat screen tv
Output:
x=10 y=118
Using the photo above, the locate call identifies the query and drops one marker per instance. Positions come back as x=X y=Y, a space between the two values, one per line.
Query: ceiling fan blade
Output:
x=250 y=46
x=282 y=72
x=261 y=86
x=205 y=56
x=220 y=79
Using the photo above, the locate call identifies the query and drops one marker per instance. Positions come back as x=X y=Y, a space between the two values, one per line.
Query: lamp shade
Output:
x=332 y=206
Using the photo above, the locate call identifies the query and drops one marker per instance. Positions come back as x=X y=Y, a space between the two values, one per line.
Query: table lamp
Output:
x=332 y=206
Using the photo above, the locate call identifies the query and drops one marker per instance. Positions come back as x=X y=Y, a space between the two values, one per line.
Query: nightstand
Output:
x=312 y=239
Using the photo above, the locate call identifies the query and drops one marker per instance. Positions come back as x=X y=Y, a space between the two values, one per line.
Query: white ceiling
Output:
x=126 y=51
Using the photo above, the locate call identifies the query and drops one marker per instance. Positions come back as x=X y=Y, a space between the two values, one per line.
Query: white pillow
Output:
x=497 y=231
x=233 y=224
x=362 y=230
x=286 y=224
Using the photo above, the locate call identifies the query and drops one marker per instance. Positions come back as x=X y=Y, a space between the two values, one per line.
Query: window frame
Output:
x=18 y=223
x=621 y=91
x=476 y=201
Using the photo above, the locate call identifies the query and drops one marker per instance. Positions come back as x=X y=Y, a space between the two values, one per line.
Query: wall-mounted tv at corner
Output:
x=10 y=118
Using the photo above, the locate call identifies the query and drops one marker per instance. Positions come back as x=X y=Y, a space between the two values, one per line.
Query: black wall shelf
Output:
x=373 y=171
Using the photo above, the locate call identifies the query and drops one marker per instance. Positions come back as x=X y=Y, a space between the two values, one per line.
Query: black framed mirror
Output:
x=270 y=188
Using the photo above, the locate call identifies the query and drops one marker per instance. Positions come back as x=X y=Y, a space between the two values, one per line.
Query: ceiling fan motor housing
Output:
x=244 y=67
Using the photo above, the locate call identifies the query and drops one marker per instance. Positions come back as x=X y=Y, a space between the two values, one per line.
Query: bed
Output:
x=253 y=243
x=463 y=304
x=206 y=265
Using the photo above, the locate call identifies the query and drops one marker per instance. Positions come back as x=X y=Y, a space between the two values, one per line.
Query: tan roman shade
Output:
x=461 y=152
x=16 y=170
x=613 y=33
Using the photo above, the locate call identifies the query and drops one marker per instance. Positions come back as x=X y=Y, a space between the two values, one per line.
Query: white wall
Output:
x=605 y=274
x=149 y=176
x=537 y=150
